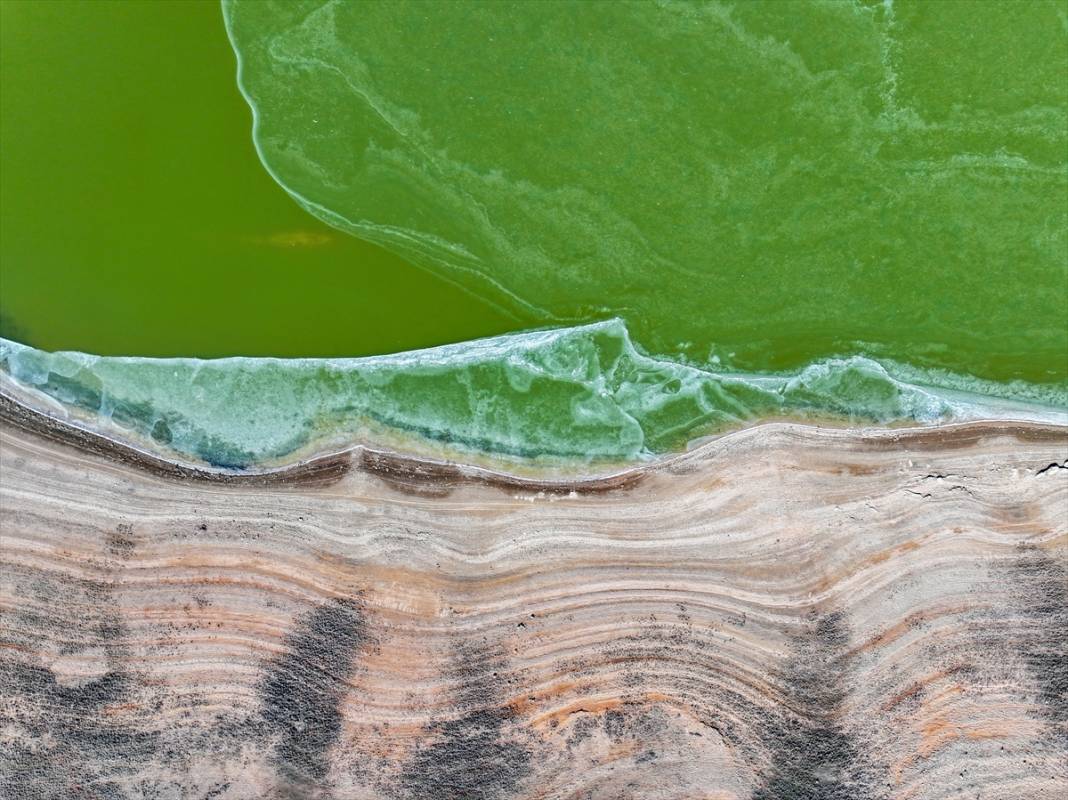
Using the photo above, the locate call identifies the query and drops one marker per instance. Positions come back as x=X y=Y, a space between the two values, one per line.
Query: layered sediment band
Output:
x=785 y=611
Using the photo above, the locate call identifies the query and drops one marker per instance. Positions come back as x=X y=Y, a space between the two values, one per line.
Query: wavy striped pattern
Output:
x=786 y=612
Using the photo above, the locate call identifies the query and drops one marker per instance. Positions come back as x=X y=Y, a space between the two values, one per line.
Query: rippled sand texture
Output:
x=766 y=182
x=787 y=612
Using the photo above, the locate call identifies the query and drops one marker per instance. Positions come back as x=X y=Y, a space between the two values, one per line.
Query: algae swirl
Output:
x=766 y=183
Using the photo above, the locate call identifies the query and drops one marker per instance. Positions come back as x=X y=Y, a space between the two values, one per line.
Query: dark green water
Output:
x=136 y=219
x=727 y=211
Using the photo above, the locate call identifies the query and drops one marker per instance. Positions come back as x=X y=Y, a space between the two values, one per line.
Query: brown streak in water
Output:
x=957 y=437
x=430 y=478
x=408 y=474
x=414 y=475
x=321 y=471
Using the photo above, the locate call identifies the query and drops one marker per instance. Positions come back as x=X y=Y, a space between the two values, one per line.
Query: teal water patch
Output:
x=583 y=394
x=769 y=183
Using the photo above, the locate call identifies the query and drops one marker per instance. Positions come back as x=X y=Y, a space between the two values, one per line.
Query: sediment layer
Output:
x=785 y=612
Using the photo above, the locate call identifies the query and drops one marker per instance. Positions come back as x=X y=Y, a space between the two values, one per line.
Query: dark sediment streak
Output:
x=434 y=478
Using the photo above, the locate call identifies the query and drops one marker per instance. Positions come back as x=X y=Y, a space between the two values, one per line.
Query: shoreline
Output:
x=423 y=472
x=603 y=405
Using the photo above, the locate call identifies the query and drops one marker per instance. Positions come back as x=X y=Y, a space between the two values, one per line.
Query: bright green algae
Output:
x=767 y=182
x=583 y=393
x=137 y=219
x=838 y=210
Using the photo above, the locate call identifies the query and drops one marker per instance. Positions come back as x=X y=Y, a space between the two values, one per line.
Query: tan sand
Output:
x=786 y=612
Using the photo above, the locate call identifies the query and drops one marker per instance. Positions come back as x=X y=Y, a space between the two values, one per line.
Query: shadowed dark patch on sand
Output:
x=470 y=757
x=303 y=688
x=1040 y=586
x=813 y=757
x=61 y=740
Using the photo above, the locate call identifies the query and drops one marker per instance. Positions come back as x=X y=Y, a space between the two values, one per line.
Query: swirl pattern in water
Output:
x=764 y=182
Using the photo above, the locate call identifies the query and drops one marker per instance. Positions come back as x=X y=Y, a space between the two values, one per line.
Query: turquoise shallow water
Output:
x=710 y=214
x=581 y=394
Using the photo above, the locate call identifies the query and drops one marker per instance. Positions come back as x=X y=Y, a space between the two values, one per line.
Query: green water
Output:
x=136 y=219
x=724 y=211
x=766 y=182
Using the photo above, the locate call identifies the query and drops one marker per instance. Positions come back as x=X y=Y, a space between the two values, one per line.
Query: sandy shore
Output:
x=785 y=612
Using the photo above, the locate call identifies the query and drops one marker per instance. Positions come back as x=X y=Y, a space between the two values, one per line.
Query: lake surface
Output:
x=766 y=183
x=709 y=213
x=137 y=219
